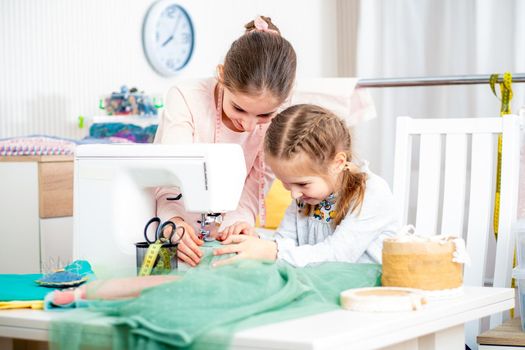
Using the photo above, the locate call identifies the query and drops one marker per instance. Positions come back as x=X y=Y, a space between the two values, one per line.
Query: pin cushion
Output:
x=61 y=278
x=72 y=275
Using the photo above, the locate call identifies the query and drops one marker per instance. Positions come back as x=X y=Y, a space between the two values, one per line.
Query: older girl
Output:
x=236 y=106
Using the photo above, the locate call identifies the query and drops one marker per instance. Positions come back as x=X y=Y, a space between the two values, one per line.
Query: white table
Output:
x=438 y=326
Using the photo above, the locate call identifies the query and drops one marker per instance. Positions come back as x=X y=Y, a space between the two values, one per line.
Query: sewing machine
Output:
x=114 y=194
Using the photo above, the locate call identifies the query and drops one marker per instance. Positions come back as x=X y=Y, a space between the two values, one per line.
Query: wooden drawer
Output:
x=55 y=183
x=55 y=180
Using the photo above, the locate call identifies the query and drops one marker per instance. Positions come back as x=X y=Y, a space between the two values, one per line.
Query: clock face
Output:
x=168 y=37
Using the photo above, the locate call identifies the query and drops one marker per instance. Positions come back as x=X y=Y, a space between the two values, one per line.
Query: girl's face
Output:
x=304 y=185
x=243 y=112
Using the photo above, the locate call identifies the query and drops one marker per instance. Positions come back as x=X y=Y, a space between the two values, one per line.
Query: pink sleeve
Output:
x=176 y=126
x=176 y=123
x=248 y=208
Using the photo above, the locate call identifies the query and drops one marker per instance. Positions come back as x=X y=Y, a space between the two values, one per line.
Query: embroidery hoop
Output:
x=382 y=299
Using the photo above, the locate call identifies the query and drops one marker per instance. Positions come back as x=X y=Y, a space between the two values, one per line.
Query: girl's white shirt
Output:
x=303 y=240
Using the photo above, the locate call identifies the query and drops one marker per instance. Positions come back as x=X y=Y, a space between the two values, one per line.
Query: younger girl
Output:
x=340 y=207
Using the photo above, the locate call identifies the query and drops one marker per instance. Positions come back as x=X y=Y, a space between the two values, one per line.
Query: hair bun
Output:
x=251 y=26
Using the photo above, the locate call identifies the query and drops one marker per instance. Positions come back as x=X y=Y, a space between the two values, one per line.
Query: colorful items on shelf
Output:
x=129 y=102
x=130 y=132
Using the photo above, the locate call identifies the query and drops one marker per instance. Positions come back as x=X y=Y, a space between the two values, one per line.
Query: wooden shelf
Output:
x=508 y=334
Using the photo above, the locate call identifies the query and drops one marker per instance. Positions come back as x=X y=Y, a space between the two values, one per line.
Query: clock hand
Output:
x=173 y=33
x=176 y=23
x=168 y=40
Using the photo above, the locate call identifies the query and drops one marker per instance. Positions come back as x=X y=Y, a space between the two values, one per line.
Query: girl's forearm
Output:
x=122 y=288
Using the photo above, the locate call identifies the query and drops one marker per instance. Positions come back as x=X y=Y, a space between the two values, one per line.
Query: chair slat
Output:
x=402 y=168
x=508 y=208
x=428 y=184
x=479 y=216
x=454 y=184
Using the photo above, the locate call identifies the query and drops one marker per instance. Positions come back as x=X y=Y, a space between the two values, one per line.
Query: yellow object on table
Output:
x=26 y=304
x=276 y=202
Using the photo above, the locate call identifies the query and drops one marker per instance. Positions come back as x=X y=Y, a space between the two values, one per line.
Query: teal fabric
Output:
x=23 y=286
x=205 y=308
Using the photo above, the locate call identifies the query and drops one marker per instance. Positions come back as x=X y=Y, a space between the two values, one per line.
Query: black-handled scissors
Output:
x=159 y=232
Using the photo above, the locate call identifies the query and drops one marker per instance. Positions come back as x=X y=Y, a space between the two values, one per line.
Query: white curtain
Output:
x=405 y=38
x=408 y=38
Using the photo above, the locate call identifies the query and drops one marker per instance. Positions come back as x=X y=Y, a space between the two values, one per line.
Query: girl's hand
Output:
x=246 y=247
x=188 y=249
x=240 y=227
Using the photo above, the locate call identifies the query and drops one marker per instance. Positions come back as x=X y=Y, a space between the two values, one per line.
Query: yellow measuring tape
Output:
x=506 y=97
x=149 y=258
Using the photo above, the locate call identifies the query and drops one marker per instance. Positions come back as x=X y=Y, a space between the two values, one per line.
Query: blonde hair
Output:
x=260 y=61
x=318 y=134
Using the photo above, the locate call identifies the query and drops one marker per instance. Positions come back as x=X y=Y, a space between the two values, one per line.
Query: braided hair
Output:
x=314 y=132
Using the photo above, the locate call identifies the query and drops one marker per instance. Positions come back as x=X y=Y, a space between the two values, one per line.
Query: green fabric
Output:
x=205 y=308
x=207 y=259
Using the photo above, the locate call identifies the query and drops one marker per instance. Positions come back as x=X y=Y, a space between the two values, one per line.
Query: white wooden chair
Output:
x=455 y=189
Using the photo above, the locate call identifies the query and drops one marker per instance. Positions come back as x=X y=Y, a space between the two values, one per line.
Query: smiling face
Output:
x=243 y=112
x=302 y=180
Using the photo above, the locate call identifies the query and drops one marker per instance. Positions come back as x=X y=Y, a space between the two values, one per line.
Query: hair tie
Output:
x=261 y=25
x=349 y=166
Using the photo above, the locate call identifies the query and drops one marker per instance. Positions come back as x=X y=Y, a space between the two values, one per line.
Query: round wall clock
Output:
x=168 y=37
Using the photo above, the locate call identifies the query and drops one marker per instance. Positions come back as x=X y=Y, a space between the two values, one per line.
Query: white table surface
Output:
x=332 y=330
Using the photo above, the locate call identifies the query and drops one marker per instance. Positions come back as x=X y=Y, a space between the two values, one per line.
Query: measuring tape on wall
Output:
x=506 y=97
x=149 y=258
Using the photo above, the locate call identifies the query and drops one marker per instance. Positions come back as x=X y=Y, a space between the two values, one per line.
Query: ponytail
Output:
x=351 y=194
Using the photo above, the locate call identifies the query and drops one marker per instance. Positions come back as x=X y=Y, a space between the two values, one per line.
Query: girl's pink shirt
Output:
x=190 y=116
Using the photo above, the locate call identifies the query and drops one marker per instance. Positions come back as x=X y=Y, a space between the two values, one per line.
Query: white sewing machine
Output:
x=114 y=194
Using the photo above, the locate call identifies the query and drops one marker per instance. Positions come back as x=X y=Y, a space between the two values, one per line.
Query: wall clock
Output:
x=168 y=37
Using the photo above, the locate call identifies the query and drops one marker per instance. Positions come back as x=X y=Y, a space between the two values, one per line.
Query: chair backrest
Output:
x=455 y=189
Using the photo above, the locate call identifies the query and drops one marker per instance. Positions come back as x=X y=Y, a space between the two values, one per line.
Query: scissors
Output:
x=160 y=229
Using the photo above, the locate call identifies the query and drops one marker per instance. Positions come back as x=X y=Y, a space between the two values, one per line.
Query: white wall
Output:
x=58 y=57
